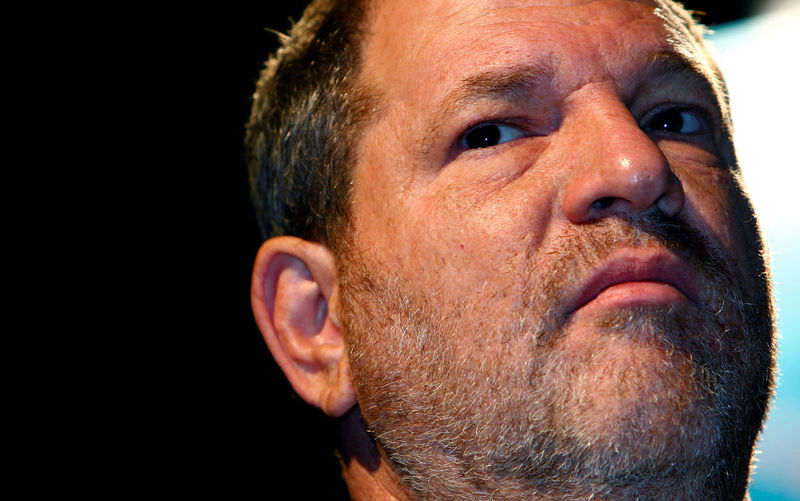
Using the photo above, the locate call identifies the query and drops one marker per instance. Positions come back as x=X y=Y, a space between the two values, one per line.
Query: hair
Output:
x=308 y=113
x=304 y=124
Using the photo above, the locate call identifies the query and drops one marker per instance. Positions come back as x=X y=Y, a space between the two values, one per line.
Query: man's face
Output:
x=553 y=277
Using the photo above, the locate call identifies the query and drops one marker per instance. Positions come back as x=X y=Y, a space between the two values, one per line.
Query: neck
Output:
x=365 y=469
x=370 y=477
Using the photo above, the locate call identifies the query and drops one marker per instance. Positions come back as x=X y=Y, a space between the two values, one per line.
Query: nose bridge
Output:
x=614 y=166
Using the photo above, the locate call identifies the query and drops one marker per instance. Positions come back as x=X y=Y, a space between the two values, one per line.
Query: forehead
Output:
x=427 y=45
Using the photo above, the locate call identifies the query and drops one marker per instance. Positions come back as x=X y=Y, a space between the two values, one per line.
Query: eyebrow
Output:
x=666 y=63
x=509 y=84
x=516 y=84
x=671 y=64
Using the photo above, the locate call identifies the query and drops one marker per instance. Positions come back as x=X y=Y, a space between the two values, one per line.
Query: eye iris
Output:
x=669 y=121
x=483 y=137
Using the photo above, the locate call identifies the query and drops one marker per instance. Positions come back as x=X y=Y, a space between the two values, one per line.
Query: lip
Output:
x=638 y=276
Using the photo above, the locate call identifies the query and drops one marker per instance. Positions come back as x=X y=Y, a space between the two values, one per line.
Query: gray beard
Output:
x=469 y=405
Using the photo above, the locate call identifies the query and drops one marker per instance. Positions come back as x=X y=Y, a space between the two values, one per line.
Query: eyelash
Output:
x=495 y=133
x=696 y=117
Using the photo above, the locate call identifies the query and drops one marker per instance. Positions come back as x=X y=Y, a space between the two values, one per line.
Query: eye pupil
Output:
x=483 y=137
x=669 y=121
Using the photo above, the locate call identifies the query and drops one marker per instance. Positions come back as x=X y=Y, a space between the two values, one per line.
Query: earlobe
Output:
x=293 y=297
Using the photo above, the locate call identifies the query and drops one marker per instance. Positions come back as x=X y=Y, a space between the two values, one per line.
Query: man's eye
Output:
x=486 y=135
x=676 y=121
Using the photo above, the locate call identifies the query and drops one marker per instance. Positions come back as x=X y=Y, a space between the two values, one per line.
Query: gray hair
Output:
x=304 y=123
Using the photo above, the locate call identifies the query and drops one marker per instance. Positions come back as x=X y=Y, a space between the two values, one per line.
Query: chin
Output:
x=661 y=399
x=639 y=406
x=640 y=399
x=643 y=397
x=648 y=379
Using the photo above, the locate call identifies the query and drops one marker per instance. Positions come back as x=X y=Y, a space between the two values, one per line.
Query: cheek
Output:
x=380 y=190
x=484 y=232
x=467 y=230
x=710 y=191
x=718 y=207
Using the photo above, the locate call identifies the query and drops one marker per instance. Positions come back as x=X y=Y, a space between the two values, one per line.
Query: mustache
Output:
x=674 y=233
x=578 y=251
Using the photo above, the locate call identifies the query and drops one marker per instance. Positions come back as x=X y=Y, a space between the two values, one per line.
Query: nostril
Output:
x=602 y=203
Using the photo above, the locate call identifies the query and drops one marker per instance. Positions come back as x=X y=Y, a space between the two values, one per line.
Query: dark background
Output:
x=237 y=430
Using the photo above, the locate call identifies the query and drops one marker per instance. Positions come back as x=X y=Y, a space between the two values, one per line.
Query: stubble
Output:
x=471 y=403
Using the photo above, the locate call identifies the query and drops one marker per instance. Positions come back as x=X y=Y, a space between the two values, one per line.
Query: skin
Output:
x=577 y=310
x=591 y=144
x=473 y=228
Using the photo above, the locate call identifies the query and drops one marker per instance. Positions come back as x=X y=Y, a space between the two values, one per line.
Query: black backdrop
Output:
x=231 y=424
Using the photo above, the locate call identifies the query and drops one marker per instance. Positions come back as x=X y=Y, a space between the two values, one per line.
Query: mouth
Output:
x=633 y=277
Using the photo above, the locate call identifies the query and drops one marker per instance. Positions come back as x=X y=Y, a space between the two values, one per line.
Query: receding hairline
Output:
x=510 y=81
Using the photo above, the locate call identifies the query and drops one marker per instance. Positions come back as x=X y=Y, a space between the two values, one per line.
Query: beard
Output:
x=469 y=402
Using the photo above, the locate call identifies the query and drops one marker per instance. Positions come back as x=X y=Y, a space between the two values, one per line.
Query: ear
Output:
x=294 y=297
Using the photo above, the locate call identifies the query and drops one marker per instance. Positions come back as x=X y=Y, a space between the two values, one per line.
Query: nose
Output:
x=616 y=167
